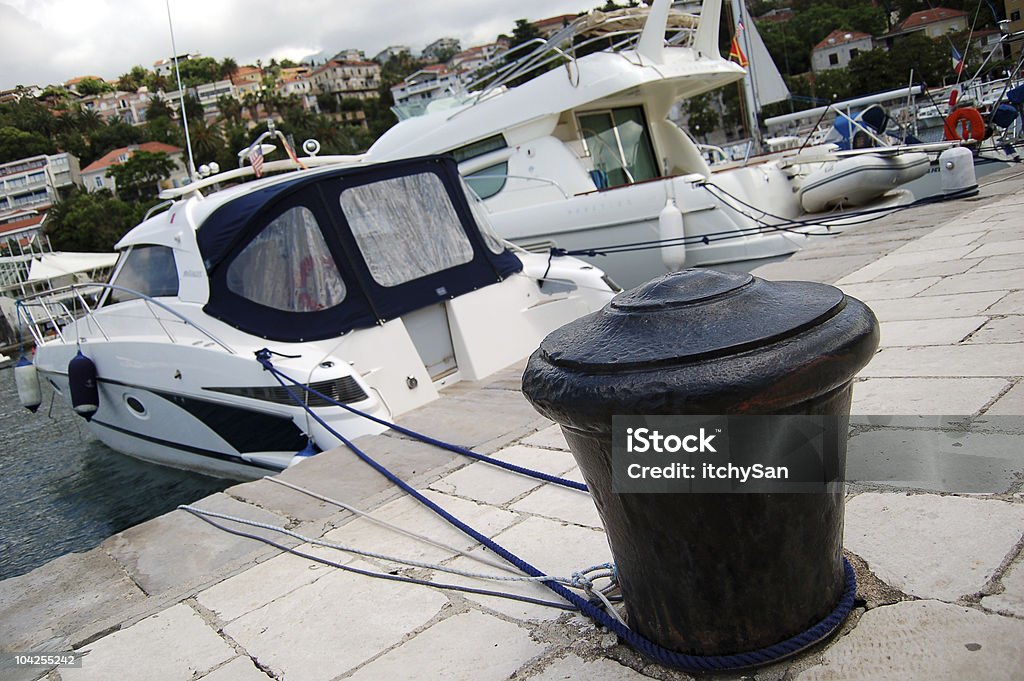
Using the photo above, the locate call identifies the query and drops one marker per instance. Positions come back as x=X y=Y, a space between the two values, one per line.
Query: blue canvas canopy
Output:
x=327 y=252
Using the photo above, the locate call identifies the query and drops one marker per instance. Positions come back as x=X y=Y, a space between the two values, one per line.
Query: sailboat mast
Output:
x=740 y=15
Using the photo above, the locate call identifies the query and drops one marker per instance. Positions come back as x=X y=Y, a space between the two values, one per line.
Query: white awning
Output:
x=52 y=265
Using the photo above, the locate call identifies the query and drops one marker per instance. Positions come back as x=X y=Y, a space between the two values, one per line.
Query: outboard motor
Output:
x=85 y=396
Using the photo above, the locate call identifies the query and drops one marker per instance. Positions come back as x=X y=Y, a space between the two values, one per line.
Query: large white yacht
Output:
x=584 y=157
x=376 y=285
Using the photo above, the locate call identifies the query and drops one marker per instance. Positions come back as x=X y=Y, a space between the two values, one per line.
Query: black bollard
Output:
x=701 y=573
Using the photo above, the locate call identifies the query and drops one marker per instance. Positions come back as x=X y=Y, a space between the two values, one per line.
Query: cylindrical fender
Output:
x=85 y=397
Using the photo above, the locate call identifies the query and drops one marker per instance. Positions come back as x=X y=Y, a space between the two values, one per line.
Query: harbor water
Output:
x=64 y=491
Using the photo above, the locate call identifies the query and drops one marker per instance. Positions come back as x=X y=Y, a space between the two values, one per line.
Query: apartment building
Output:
x=129 y=107
x=37 y=182
x=359 y=79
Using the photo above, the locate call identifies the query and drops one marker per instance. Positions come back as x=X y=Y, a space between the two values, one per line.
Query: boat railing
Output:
x=598 y=33
x=49 y=311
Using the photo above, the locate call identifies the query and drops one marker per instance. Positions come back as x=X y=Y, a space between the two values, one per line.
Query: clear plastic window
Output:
x=406 y=228
x=150 y=270
x=288 y=266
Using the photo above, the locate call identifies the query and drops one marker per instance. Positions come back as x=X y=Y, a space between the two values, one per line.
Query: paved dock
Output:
x=939 y=558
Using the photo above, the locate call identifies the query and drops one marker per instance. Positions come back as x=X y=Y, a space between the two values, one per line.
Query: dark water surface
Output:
x=62 y=490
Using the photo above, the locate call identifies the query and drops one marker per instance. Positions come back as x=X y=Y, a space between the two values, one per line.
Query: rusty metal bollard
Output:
x=701 y=573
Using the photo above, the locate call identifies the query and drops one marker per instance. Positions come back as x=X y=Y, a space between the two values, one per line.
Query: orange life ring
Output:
x=965 y=124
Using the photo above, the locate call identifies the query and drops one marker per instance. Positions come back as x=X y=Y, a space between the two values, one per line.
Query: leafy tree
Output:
x=112 y=136
x=198 y=71
x=523 y=33
x=90 y=222
x=702 y=118
x=92 y=86
x=136 y=179
x=227 y=67
x=15 y=144
x=133 y=80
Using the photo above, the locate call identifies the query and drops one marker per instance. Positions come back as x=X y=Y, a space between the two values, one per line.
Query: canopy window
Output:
x=406 y=228
x=288 y=266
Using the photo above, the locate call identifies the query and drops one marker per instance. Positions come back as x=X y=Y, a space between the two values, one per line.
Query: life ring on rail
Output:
x=965 y=124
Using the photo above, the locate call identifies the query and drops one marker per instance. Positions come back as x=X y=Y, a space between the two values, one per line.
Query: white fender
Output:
x=670 y=226
x=26 y=378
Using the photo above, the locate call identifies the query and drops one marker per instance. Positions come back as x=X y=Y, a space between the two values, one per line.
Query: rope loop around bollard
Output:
x=670 y=658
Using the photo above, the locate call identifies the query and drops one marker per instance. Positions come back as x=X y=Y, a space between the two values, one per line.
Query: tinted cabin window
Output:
x=150 y=270
x=288 y=266
x=406 y=228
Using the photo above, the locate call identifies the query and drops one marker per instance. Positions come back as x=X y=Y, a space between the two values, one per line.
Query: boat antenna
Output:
x=181 y=96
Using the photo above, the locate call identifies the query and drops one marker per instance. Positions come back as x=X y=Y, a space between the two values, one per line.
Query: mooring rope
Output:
x=598 y=615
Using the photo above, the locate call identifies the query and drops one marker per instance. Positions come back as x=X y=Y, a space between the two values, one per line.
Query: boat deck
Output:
x=940 y=571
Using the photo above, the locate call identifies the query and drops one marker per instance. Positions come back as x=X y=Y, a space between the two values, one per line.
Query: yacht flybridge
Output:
x=376 y=285
x=583 y=156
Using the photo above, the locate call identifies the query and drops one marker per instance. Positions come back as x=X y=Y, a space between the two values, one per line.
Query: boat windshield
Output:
x=150 y=270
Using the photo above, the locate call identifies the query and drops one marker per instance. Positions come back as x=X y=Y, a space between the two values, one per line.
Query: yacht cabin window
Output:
x=288 y=266
x=488 y=181
x=406 y=228
x=150 y=270
x=619 y=145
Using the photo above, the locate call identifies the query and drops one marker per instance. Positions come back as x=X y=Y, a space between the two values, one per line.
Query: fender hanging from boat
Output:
x=671 y=229
x=85 y=397
x=26 y=378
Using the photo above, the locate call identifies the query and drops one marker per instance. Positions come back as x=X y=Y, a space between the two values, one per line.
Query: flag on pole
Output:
x=735 y=53
x=256 y=160
x=958 y=61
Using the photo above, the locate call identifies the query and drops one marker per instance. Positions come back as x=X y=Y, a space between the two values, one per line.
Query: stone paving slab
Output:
x=929 y=331
x=1011 y=403
x=407 y=512
x=925 y=640
x=1000 y=330
x=172 y=645
x=887 y=290
x=471 y=645
x=940 y=460
x=930 y=546
x=574 y=667
x=935 y=307
x=238 y=669
x=486 y=483
x=973 y=282
x=324 y=629
x=39 y=612
x=266 y=582
x=1011 y=303
x=1011 y=599
x=954 y=360
x=197 y=551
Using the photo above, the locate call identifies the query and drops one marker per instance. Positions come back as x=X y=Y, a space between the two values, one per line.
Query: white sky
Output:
x=51 y=41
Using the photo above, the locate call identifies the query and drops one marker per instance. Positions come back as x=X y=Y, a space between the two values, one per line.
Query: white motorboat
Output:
x=376 y=285
x=583 y=156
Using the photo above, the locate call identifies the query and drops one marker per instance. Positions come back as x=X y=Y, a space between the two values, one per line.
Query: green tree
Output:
x=112 y=136
x=702 y=118
x=136 y=179
x=92 y=86
x=133 y=80
x=198 y=71
x=15 y=144
x=227 y=67
x=90 y=222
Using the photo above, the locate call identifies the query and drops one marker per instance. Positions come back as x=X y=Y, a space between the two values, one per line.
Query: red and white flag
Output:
x=256 y=160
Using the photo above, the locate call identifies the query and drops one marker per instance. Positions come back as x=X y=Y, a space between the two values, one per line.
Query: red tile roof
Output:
x=929 y=16
x=30 y=221
x=110 y=158
x=840 y=37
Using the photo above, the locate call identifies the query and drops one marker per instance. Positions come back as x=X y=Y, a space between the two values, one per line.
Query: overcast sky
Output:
x=52 y=41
